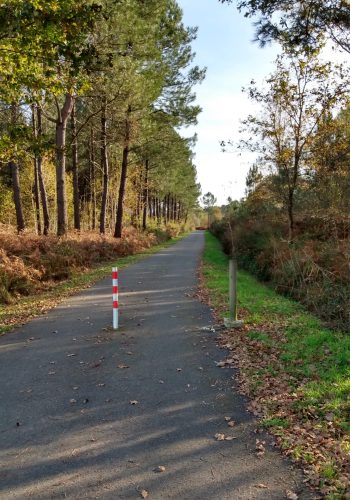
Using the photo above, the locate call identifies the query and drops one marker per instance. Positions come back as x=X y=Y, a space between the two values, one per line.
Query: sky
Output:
x=225 y=46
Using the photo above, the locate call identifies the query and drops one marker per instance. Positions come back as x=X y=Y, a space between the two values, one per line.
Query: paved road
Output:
x=68 y=429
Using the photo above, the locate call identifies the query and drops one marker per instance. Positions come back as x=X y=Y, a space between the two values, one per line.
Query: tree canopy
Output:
x=93 y=95
x=302 y=23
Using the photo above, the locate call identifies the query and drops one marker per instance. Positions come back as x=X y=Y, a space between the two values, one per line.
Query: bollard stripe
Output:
x=115 y=298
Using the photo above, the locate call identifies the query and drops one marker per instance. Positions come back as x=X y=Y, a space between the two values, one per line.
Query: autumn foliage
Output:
x=29 y=263
x=313 y=270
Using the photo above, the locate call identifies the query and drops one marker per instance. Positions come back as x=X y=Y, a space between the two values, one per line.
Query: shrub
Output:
x=29 y=262
x=314 y=269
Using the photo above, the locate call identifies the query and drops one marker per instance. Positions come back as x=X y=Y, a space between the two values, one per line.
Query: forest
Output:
x=93 y=96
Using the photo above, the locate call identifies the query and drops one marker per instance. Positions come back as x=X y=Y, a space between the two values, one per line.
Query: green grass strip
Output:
x=316 y=356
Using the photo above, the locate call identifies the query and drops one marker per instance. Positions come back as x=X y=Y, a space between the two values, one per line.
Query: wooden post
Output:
x=233 y=288
x=232 y=321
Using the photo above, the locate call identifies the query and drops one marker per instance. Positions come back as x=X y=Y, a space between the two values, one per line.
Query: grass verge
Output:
x=296 y=371
x=25 y=308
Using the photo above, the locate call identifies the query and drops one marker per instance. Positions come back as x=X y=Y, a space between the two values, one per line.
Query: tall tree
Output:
x=302 y=23
x=300 y=94
x=46 y=47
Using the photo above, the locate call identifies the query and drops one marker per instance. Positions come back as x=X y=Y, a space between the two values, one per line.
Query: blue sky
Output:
x=224 y=45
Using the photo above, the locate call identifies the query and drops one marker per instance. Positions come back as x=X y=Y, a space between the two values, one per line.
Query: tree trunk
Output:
x=159 y=211
x=36 y=177
x=17 y=195
x=167 y=208
x=170 y=208
x=61 y=126
x=42 y=188
x=123 y=177
x=104 y=166
x=152 y=202
x=175 y=209
x=76 y=194
x=164 y=209
x=145 y=197
x=92 y=179
x=36 y=196
x=13 y=165
x=290 y=216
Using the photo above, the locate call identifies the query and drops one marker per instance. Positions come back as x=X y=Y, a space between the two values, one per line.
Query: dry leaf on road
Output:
x=291 y=495
x=160 y=468
x=219 y=437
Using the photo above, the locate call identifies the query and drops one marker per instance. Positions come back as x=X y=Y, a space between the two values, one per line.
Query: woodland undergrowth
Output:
x=295 y=371
x=314 y=269
x=36 y=271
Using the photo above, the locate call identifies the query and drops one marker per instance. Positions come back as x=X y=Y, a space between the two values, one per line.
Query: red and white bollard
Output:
x=115 y=298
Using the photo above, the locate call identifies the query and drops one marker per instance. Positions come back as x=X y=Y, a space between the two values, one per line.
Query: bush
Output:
x=313 y=270
x=29 y=262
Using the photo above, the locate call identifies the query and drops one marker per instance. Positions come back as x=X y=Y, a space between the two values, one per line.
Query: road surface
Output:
x=90 y=413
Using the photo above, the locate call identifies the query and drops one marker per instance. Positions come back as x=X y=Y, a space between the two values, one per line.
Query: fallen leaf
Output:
x=231 y=423
x=291 y=495
x=160 y=468
x=144 y=493
x=259 y=446
x=219 y=437
x=230 y=438
x=227 y=419
x=123 y=366
x=220 y=364
x=261 y=485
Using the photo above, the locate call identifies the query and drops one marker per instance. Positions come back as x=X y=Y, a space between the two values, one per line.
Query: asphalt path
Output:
x=86 y=412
